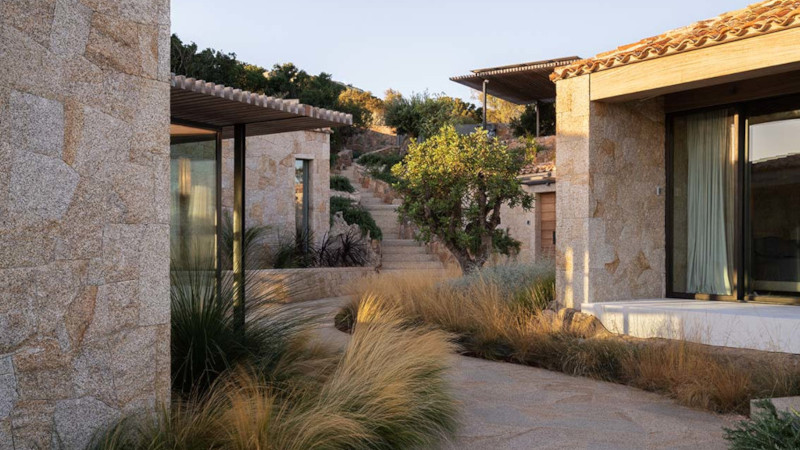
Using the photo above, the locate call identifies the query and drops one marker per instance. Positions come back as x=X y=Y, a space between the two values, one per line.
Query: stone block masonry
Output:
x=610 y=211
x=270 y=179
x=84 y=216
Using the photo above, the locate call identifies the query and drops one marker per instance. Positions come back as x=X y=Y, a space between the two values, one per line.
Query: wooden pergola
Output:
x=238 y=114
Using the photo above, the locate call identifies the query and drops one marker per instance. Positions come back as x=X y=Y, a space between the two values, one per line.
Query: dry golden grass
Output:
x=494 y=324
x=386 y=391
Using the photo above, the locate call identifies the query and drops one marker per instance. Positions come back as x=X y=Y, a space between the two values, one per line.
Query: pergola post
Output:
x=239 y=148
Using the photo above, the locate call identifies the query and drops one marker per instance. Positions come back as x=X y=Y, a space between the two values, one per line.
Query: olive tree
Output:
x=453 y=186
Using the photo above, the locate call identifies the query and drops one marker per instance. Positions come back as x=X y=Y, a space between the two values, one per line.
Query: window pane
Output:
x=193 y=195
x=774 y=171
x=703 y=171
x=301 y=195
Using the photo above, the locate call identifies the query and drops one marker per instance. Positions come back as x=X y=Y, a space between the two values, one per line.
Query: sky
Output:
x=416 y=45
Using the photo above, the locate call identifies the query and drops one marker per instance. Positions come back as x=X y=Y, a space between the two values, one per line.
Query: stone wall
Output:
x=609 y=212
x=84 y=216
x=270 y=178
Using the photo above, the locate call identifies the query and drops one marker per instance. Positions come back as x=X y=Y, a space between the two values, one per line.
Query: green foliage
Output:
x=422 y=115
x=525 y=124
x=295 y=251
x=355 y=214
x=768 y=430
x=380 y=165
x=282 y=81
x=205 y=339
x=453 y=186
x=341 y=183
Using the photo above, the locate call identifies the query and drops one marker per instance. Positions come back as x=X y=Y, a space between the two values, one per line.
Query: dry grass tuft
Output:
x=386 y=391
x=495 y=319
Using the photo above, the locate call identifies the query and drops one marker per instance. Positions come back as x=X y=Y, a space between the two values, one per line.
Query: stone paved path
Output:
x=509 y=406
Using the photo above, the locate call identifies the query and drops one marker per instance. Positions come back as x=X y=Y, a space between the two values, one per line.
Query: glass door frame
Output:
x=217 y=189
x=742 y=245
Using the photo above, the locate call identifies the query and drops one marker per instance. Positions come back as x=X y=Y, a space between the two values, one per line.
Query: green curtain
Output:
x=710 y=195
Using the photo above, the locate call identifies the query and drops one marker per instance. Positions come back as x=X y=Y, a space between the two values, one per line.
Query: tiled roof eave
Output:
x=336 y=118
x=778 y=16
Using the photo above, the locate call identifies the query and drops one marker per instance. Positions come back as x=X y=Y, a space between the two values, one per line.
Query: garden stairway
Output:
x=396 y=253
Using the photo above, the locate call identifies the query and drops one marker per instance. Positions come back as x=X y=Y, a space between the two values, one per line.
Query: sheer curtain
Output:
x=710 y=203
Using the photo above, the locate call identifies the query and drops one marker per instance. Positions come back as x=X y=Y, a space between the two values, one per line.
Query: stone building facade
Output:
x=84 y=216
x=270 y=181
x=609 y=203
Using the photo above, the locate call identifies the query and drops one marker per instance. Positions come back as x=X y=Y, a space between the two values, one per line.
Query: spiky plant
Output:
x=206 y=339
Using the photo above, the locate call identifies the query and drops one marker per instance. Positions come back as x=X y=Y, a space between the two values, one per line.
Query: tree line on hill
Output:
x=418 y=115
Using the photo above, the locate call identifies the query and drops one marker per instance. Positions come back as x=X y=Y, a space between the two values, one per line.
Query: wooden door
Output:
x=547 y=230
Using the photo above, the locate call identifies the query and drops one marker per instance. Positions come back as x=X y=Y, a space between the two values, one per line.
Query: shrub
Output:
x=768 y=429
x=300 y=251
x=341 y=183
x=345 y=250
x=356 y=214
x=379 y=165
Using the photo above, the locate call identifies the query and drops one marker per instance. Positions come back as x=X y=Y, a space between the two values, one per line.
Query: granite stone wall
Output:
x=84 y=216
x=270 y=180
x=610 y=197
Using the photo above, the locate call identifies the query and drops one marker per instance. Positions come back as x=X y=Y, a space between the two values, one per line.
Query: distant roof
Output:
x=517 y=83
x=222 y=106
x=757 y=19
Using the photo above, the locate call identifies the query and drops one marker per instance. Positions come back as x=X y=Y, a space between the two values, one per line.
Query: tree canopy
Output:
x=282 y=81
x=423 y=115
x=453 y=186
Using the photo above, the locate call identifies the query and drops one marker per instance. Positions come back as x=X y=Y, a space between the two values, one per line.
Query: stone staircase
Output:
x=396 y=253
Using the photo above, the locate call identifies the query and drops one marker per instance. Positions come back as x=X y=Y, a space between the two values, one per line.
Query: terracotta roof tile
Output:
x=759 y=18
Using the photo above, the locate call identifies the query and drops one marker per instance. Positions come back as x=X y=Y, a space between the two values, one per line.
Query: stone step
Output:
x=388 y=223
x=408 y=250
x=418 y=265
x=399 y=243
x=380 y=207
x=407 y=257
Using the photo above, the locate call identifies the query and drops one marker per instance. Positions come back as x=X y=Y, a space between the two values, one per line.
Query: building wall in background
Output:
x=270 y=181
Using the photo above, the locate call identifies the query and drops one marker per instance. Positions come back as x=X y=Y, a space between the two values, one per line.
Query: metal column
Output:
x=239 y=133
x=485 y=82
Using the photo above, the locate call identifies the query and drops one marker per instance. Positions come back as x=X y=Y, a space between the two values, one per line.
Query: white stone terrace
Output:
x=729 y=324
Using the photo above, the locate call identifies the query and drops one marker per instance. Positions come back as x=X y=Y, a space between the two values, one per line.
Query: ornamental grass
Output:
x=502 y=314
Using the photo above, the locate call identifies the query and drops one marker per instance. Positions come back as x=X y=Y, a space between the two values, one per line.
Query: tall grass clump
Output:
x=206 y=341
x=387 y=390
x=506 y=313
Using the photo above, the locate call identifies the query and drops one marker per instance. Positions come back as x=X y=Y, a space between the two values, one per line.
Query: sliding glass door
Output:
x=733 y=222
x=773 y=172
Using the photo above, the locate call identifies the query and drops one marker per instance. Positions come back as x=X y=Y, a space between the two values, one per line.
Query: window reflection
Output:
x=193 y=195
x=774 y=171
